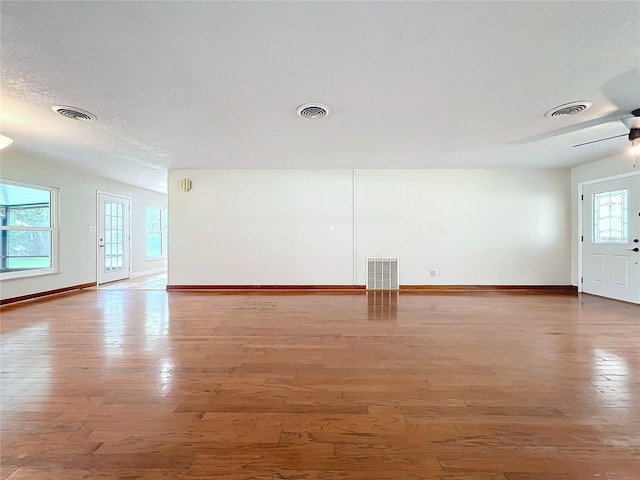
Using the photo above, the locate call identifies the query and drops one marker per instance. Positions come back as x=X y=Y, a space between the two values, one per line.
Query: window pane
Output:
x=17 y=195
x=153 y=219
x=610 y=217
x=25 y=263
x=28 y=249
x=154 y=244
x=37 y=216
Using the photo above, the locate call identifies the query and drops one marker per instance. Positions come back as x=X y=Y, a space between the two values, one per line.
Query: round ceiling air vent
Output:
x=567 y=109
x=313 y=110
x=73 y=112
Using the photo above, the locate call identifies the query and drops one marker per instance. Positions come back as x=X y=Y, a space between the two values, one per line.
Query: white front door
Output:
x=113 y=238
x=611 y=239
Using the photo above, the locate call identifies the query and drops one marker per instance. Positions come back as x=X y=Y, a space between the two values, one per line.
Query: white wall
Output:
x=77 y=211
x=618 y=165
x=505 y=227
x=272 y=227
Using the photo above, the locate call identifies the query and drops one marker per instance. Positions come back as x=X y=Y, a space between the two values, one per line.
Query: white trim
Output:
x=354 y=222
x=25 y=184
x=144 y=273
x=581 y=186
x=97 y=236
x=31 y=272
x=112 y=194
x=607 y=179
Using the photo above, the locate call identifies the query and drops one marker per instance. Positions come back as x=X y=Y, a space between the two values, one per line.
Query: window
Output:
x=156 y=233
x=27 y=230
x=610 y=224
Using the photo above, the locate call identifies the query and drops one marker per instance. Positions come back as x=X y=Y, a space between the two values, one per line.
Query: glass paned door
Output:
x=113 y=238
x=611 y=239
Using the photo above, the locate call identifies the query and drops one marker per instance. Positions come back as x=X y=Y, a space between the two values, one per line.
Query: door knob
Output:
x=634 y=249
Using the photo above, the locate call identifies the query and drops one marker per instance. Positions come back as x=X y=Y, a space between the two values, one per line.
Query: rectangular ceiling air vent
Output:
x=382 y=273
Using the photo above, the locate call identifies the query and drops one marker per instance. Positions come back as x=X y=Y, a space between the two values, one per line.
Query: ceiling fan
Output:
x=633 y=124
x=620 y=90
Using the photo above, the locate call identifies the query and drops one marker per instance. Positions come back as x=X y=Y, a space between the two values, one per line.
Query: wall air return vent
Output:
x=382 y=273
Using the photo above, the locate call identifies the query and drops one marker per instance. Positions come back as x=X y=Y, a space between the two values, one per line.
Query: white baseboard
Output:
x=144 y=273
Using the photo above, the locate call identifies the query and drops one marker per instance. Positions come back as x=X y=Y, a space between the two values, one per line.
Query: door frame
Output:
x=581 y=186
x=129 y=241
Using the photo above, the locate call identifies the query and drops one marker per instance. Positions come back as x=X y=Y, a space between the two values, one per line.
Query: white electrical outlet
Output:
x=332 y=228
x=210 y=228
x=434 y=273
x=445 y=228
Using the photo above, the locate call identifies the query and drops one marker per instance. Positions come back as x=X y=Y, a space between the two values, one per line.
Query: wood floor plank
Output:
x=88 y=461
x=286 y=474
x=566 y=466
x=113 y=383
x=120 y=474
x=571 y=476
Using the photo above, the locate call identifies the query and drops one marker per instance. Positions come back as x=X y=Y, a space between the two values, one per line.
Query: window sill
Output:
x=160 y=257
x=28 y=273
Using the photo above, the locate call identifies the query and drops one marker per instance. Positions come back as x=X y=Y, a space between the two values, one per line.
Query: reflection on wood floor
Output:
x=139 y=383
x=382 y=305
x=147 y=282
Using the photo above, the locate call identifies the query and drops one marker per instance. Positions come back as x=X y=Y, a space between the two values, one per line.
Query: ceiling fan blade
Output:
x=631 y=122
x=601 y=140
x=568 y=129
x=622 y=89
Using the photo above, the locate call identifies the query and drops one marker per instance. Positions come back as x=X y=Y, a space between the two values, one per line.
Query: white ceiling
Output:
x=209 y=85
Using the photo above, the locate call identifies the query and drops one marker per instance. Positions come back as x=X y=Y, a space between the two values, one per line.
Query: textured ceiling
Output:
x=410 y=85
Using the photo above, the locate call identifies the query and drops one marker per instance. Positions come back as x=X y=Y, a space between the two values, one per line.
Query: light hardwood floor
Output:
x=132 y=382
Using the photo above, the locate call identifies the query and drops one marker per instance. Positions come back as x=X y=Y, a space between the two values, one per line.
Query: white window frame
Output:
x=162 y=232
x=53 y=228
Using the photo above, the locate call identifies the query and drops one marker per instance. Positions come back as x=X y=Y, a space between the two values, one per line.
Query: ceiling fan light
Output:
x=634 y=149
x=5 y=141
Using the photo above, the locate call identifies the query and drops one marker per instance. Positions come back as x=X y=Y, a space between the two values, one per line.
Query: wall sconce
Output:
x=185 y=184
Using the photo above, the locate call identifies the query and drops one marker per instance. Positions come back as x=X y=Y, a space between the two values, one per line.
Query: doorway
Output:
x=114 y=238
x=610 y=238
